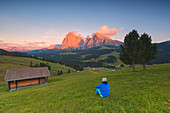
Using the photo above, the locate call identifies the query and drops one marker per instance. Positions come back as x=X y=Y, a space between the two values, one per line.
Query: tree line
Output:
x=137 y=49
x=40 y=65
x=21 y=54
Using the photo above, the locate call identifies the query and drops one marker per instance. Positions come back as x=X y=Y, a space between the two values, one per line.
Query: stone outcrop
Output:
x=72 y=41
x=100 y=40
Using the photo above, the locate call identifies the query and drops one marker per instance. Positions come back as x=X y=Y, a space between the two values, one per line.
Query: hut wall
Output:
x=22 y=83
x=42 y=80
x=12 y=84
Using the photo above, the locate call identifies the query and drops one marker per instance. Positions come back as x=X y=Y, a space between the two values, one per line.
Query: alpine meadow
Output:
x=84 y=56
x=142 y=91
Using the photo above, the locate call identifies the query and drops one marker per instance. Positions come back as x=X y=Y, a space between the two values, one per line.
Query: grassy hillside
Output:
x=98 y=56
x=9 y=62
x=105 y=56
x=68 y=53
x=94 y=57
x=141 y=91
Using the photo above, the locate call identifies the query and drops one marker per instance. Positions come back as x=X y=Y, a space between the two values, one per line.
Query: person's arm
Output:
x=98 y=86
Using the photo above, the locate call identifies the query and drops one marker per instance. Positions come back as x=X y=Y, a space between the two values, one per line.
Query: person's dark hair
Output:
x=104 y=82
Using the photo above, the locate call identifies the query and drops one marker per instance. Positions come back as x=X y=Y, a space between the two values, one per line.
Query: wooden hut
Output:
x=25 y=77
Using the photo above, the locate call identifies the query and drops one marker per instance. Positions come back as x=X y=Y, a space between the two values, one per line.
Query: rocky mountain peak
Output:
x=72 y=41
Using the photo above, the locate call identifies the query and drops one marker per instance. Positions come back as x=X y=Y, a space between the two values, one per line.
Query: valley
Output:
x=100 y=56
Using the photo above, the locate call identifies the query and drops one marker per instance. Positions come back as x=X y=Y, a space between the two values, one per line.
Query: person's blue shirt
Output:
x=104 y=88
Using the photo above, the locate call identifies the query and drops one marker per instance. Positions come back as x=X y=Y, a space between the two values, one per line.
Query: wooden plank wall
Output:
x=26 y=82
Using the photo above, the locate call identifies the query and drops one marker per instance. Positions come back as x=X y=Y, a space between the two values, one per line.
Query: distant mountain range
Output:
x=100 y=40
x=94 y=56
x=13 y=48
x=53 y=46
x=73 y=41
x=163 y=55
x=23 y=49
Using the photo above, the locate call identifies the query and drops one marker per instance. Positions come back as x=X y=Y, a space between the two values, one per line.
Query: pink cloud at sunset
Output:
x=107 y=32
x=122 y=28
x=6 y=44
x=26 y=44
x=36 y=43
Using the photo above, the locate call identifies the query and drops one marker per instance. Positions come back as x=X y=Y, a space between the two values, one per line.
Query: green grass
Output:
x=8 y=62
x=116 y=54
x=105 y=56
x=104 y=47
x=83 y=56
x=140 y=91
x=68 y=53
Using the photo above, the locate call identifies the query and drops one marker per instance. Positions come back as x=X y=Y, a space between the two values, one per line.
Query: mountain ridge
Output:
x=71 y=41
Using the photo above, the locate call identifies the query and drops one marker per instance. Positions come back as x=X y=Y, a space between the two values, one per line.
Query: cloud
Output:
x=26 y=44
x=35 y=43
x=1 y=41
x=122 y=28
x=6 y=44
x=107 y=32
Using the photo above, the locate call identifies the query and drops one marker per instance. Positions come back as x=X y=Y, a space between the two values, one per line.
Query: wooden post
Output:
x=9 y=85
x=133 y=64
x=16 y=84
x=46 y=79
x=39 y=80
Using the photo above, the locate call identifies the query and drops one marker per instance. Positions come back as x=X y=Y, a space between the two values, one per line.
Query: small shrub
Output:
x=69 y=71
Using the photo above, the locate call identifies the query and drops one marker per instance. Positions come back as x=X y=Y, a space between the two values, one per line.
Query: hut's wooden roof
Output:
x=26 y=73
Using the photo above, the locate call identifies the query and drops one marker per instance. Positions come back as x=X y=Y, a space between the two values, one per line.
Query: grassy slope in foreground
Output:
x=9 y=62
x=141 y=91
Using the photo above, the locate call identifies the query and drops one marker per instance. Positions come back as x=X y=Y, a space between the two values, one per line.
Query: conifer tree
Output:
x=130 y=49
x=148 y=49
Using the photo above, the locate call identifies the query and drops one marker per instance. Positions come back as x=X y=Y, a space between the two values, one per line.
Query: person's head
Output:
x=104 y=80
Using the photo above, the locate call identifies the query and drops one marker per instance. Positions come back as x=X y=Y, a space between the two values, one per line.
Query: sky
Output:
x=39 y=23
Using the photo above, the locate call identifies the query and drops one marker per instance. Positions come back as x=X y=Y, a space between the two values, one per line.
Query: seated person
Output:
x=103 y=88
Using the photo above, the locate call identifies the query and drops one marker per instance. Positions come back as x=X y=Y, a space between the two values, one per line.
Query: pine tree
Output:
x=148 y=49
x=130 y=49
